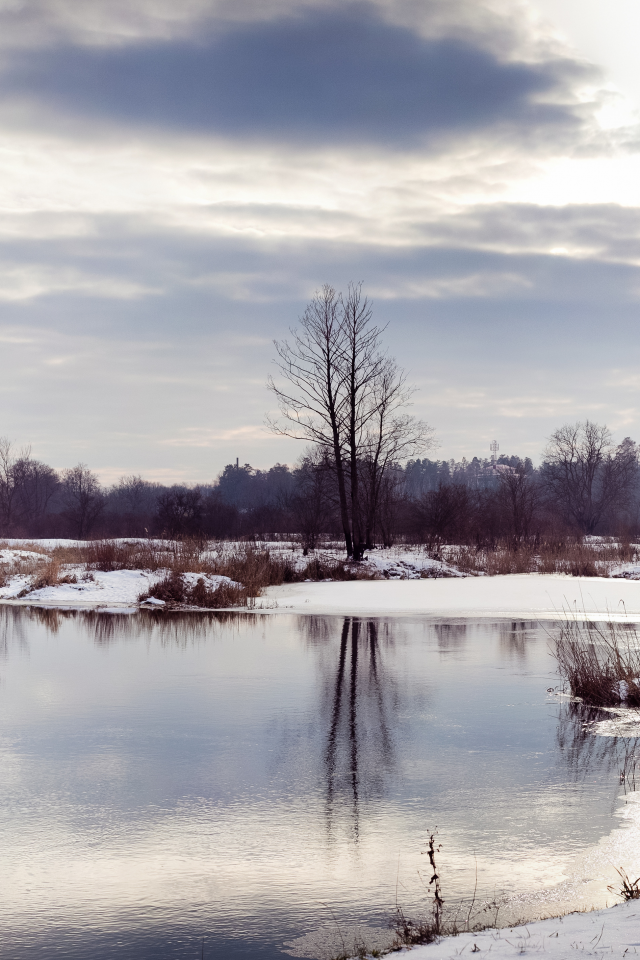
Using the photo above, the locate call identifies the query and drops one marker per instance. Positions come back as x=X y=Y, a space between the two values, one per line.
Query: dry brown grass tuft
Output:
x=630 y=889
x=599 y=661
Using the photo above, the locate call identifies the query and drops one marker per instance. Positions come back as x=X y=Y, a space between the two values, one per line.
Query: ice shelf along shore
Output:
x=524 y=596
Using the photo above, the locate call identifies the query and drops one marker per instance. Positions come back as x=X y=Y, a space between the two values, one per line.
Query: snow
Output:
x=211 y=580
x=525 y=596
x=10 y=556
x=626 y=571
x=614 y=932
x=115 y=588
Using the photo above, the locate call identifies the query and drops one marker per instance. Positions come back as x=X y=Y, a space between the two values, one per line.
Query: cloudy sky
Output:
x=178 y=178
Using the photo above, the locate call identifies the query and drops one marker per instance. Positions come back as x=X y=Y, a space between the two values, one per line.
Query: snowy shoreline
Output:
x=517 y=596
x=535 y=597
x=403 y=581
x=614 y=931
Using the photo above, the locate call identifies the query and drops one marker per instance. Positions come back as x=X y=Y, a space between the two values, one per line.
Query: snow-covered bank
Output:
x=113 y=589
x=614 y=932
x=525 y=596
x=405 y=581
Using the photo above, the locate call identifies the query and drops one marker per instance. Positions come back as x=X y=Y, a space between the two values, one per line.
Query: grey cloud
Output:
x=324 y=77
x=119 y=379
x=105 y=23
x=175 y=278
x=597 y=232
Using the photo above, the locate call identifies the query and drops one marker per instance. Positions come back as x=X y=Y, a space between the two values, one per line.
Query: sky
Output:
x=177 y=180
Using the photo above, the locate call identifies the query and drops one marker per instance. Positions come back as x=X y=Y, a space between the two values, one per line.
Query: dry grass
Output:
x=50 y=573
x=599 y=661
x=578 y=559
x=251 y=565
x=174 y=591
x=630 y=889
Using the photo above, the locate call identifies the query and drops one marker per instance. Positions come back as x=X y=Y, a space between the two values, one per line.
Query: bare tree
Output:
x=180 y=511
x=83 y=497
x=313 y=405
x=344 y=394
x=135 y=492
x=585 y=476
x=8 y=489
x=442 y=515
x=36 y=483
x=312 y=503
x=520 y=494
x=389 y=436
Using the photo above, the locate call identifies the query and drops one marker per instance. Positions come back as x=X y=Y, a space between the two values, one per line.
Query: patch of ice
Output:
x=525 y=596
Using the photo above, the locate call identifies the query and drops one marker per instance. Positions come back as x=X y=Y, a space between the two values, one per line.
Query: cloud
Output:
x=32 y=24
x=325 y=76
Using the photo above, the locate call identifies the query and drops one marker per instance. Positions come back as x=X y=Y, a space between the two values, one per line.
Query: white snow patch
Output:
x=211 y=580
x=115 y=588
x=612 y=932
x=11 y=555
x=626 y=571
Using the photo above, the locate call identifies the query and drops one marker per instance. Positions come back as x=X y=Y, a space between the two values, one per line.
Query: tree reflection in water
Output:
x=359 y=747
x=583 y=751
x=175 y=629
x=12 y=631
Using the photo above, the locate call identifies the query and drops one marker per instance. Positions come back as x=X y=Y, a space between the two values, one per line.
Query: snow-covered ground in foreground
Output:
x=614 y=932
x=526 y=596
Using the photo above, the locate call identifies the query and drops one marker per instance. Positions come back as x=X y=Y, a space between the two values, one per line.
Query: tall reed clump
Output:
x=599 y=661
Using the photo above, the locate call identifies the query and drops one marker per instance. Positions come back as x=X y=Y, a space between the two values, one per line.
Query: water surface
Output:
x=229 y=783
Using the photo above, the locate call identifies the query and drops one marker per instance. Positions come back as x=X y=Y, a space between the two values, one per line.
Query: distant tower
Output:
x=494 y=447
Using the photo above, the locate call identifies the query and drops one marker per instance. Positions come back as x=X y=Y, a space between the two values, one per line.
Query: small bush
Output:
x=174 y=591
x=318 y=569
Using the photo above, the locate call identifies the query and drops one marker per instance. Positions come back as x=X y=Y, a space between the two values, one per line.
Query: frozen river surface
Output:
x=227 y=785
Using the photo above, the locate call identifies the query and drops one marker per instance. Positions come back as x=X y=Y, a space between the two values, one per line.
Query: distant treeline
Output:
x=584 y=485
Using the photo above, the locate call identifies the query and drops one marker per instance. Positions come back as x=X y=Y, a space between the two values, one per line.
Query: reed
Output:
x=600 y=662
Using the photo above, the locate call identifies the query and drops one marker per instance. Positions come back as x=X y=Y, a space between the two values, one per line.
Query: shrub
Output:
x=174 y=590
